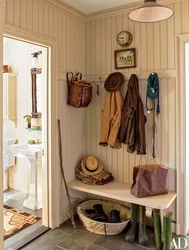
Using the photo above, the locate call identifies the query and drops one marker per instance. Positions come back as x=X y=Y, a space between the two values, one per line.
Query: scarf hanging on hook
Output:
x=153 y=91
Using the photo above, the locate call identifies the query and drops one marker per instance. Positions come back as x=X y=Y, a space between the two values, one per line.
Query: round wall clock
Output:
x=124 y=38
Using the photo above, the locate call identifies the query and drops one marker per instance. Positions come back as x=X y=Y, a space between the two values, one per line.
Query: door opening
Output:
x=25 y=138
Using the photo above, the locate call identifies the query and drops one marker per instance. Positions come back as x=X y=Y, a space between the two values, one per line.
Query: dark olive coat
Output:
x=132 y=129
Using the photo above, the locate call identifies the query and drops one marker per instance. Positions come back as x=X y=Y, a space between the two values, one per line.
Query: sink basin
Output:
x=26 y=150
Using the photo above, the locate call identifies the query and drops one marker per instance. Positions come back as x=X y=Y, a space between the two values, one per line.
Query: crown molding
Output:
x=123 y=9
x=59 y=5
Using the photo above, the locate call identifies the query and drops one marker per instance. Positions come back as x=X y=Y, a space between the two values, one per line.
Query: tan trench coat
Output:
x=111 y=120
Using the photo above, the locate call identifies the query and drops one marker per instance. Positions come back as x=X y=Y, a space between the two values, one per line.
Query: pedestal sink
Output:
x=34 y=154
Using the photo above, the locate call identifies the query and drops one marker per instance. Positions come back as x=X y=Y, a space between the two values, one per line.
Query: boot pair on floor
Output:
x=163 y=240
x=137 y=217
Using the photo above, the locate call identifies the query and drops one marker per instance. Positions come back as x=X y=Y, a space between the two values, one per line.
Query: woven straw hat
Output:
x=113 y=82
x=91 y=165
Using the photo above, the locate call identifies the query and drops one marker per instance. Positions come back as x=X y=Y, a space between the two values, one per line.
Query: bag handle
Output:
x=140 y=161
x=153 y=160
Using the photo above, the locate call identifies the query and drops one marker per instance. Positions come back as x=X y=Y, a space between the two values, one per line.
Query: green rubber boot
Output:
x=131 y=233
x=167 y=230
x=142 y=236
x=157 y=228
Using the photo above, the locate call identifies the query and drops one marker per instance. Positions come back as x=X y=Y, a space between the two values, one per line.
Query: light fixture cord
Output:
x=146 y=1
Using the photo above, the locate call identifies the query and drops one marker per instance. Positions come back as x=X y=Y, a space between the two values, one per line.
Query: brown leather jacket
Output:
x=132 y=129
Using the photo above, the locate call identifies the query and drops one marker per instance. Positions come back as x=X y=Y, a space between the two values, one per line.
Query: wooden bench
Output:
x=121 y=191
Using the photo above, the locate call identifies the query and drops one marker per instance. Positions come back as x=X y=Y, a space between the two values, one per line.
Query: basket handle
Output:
x=77 y=77
x=69 y=77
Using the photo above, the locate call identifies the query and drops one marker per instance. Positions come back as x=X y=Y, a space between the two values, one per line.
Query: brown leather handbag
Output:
x=79 y=91
x=149 y=180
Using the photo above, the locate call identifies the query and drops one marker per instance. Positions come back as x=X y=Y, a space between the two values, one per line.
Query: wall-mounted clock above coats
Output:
x=124 y=38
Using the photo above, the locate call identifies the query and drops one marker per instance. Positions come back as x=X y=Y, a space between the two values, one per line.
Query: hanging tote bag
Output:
x=79 y=91
x=149 y=180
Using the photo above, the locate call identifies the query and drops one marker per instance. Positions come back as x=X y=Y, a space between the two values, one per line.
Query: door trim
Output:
x=181 y=211
x=48 y=185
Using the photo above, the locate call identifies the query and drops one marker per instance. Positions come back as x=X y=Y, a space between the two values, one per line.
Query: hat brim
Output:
x=99 y=169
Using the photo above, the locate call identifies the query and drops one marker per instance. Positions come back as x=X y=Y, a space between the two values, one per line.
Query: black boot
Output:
x=142 y=236
x=131 y=234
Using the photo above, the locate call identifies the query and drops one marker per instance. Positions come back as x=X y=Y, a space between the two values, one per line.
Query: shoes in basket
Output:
x=114 y=216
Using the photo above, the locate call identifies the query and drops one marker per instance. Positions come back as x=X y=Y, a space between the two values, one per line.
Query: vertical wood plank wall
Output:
x=89 y=47
x=155 y=52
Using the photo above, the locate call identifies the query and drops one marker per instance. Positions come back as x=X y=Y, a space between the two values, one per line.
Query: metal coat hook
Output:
x=97 y=81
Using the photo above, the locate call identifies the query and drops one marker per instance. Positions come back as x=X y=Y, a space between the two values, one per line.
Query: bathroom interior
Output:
x=23 y=143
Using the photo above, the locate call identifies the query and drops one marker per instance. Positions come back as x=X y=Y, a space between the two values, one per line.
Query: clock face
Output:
x=124 y=38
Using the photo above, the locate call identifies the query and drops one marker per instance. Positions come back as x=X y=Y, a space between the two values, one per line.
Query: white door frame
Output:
x=2 y=4
x=182 y=204
x=49 y=186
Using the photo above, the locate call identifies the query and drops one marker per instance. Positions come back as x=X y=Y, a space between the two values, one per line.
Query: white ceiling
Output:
x=89 y=6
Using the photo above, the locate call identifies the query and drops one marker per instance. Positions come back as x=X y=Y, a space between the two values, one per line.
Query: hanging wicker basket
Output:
x=104 y=228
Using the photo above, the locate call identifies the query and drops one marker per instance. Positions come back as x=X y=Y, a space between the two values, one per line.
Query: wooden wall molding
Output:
x=13 y=31
x=182 y=173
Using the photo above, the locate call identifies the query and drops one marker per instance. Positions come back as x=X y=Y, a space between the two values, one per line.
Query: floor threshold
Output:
x=28 y=238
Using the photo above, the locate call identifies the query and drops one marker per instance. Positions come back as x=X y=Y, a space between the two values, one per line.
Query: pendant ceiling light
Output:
x=150 y=12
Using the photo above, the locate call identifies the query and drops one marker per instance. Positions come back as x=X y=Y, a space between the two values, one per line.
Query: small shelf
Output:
x=34 y=129
x=121 y=191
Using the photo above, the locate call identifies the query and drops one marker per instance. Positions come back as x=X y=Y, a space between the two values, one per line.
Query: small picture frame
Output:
x=125 y=58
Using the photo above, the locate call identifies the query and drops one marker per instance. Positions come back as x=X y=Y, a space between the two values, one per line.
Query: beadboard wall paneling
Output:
x=154 y=42
x=155 y=52
x=118 y=161
x=89 y=48
x=53 y=22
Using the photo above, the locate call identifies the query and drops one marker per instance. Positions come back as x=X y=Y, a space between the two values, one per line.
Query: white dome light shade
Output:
x=150 y=12
x=35 y=62
x=35 y=59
